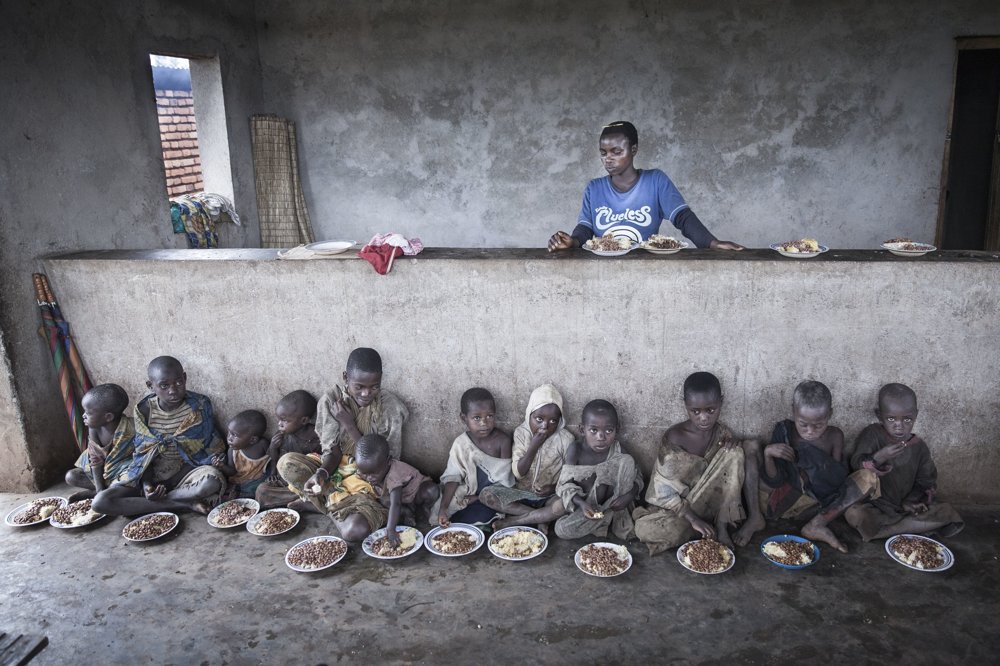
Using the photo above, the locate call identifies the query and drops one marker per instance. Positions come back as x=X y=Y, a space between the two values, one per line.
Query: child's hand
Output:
x=914 y=507
x=560 y=241
x=155 y=492
x=701 y=527
x=275 y=480
x=888 y=453
x=392 y=538
x=729 y=443
x=314 y=486
x=544 y=491
x=591 y=513
x=443 y=519
x=218 y=460
x=277 y=441
x=621 y=502
x=780 y=450
x=539 y=437
x=342 y=414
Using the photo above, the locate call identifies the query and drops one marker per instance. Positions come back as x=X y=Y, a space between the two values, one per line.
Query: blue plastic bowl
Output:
x=789 y=537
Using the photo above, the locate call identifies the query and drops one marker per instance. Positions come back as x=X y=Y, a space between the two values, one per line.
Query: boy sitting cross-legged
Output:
x=110 y=446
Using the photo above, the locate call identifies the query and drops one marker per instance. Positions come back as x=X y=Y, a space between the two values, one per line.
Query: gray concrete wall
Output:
x=626 y=330
x=475 y=123
x=80 y=167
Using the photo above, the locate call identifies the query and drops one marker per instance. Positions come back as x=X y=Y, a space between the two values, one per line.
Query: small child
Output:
x=907 y=476
x=539 y=451
x=598 y=483
x=247 y=463
x=696 y=483
x=175 y=442
x=296 y=434
x=110 y=446
x=400 y=487
x=479 y=457
x=804 y=471
x=344 y=415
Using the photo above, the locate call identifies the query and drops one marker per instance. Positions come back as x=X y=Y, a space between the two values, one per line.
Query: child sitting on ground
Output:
x=109 y=446
x=907 y=474
x=246 y=464
x=400 y=487
x=599 y=483
x=479 y=457
x=804 y=472
x=696 y=483
x=175 y=441
x=344 y=415
x=296 y=434
x=540 y=445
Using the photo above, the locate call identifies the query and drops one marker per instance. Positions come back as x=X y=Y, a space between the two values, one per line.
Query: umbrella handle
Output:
x=39 y=288
x=48 y=290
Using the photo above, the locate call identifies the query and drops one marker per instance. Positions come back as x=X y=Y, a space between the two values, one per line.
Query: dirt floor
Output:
x=206 y=596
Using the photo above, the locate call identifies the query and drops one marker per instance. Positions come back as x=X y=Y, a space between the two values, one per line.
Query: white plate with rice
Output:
x=254 y=524
x=471 y=531
x=517 y=544
x=246 y=504
x=410 y=537
x=44 y=512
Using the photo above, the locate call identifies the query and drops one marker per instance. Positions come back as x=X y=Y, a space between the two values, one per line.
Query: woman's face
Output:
x=616 y=153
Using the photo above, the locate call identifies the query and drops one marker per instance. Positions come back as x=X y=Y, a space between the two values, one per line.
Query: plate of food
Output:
x=602 y=559
x=315 y=554
x=658 y=244
x=516 y=544
x=377 y=546
x=789 y=551
x=34 y=512
x=800 y=249
x=706 y=556
x=330 y=247
x=77 y=514
x=455 y=540
x=233 y=513
x=610 y=246
x=151 y=526
x=920 y=553
x=904 y=247
x=273 y=522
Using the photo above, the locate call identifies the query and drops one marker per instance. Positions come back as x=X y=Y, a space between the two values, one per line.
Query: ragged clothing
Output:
x=118 y=455
x=353 y=496
x=709 y=485
x=401 y=475
x=912 y=476
x=384 y=416
x=275 y=493
x=620 y=474
x=306 y=441
x=814 y=473
x=192 y=441
x=249 y=474
x=547 y=465
x=465 y=463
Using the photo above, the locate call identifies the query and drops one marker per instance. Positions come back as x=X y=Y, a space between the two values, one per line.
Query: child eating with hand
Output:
x=540 y=444
x=109 y=446
x=696 y=483
x=599 y=482
x=247 y=463
x=906 y=473
x=479 y=458
x=296 y=434
x=400 y=487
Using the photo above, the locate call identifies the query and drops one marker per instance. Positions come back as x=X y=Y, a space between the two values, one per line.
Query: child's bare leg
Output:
x=540 y=516
x=753 y=458
x=352 y=528
x=722 y=532
x=77 y=478
x=192 y=496
x=856 y=488
x=489 y=498
x=128 y=501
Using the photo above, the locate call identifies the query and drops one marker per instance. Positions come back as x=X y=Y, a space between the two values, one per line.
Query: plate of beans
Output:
x=315 y=554
x=151 y=526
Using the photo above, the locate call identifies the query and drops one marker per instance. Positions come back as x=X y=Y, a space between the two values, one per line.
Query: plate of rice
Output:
x=658 y=244
x=789 y=551
x=77 y=514
x=273 y=522
x=920 y=553
x=456 y=540
x=706 y=556
x=516 y=544
x=800 y=249
x=151 y=526
x=233 y=513
x=904 y=247
x=610 y=246
x=315 y=553
x=602 y=559
x=377 y=546
x=34 y=512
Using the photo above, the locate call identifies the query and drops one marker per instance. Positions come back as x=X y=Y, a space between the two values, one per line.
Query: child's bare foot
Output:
x=543 y=528
x=201 y=507
x=722 y=535
x=817 y=532
x=81 y=495
x=303 y=506
x=748 y=529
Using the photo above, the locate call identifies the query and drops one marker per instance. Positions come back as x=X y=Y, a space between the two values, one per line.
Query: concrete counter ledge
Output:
x=250 y=328
x=453 y=253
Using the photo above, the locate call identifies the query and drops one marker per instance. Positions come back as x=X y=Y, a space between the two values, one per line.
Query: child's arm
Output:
x=395 y=502
x=96 y=458
x=331 y=460
x=446 y=496
x=529 y=453
x=837 y=450
x=506 y=444
x=924 y=486
x=225 y=464
x=150 y=490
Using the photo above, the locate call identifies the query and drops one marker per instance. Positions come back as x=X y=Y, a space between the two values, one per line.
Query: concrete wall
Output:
x=476 y=123
x=626 y=330
x=80 y=167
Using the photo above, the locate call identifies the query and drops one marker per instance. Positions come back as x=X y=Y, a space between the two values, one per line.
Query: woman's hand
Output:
x=561 y=241
x=715 y=245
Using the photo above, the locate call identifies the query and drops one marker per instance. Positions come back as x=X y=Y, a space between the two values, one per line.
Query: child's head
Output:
x=167 y=380
x=479 y=411
x=245 y=429
x=897 y=410
x=372 y=457
x=544 y=411
x=104 y=404
x=295 y=411
x=703 y=399
x=363 y=377
x=599 y=425
x=812 y=407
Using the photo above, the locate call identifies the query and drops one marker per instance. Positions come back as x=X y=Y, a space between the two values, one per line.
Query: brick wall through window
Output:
x=179 y=139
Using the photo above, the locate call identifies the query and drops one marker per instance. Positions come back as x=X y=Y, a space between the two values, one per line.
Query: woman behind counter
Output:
x=632 y=202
